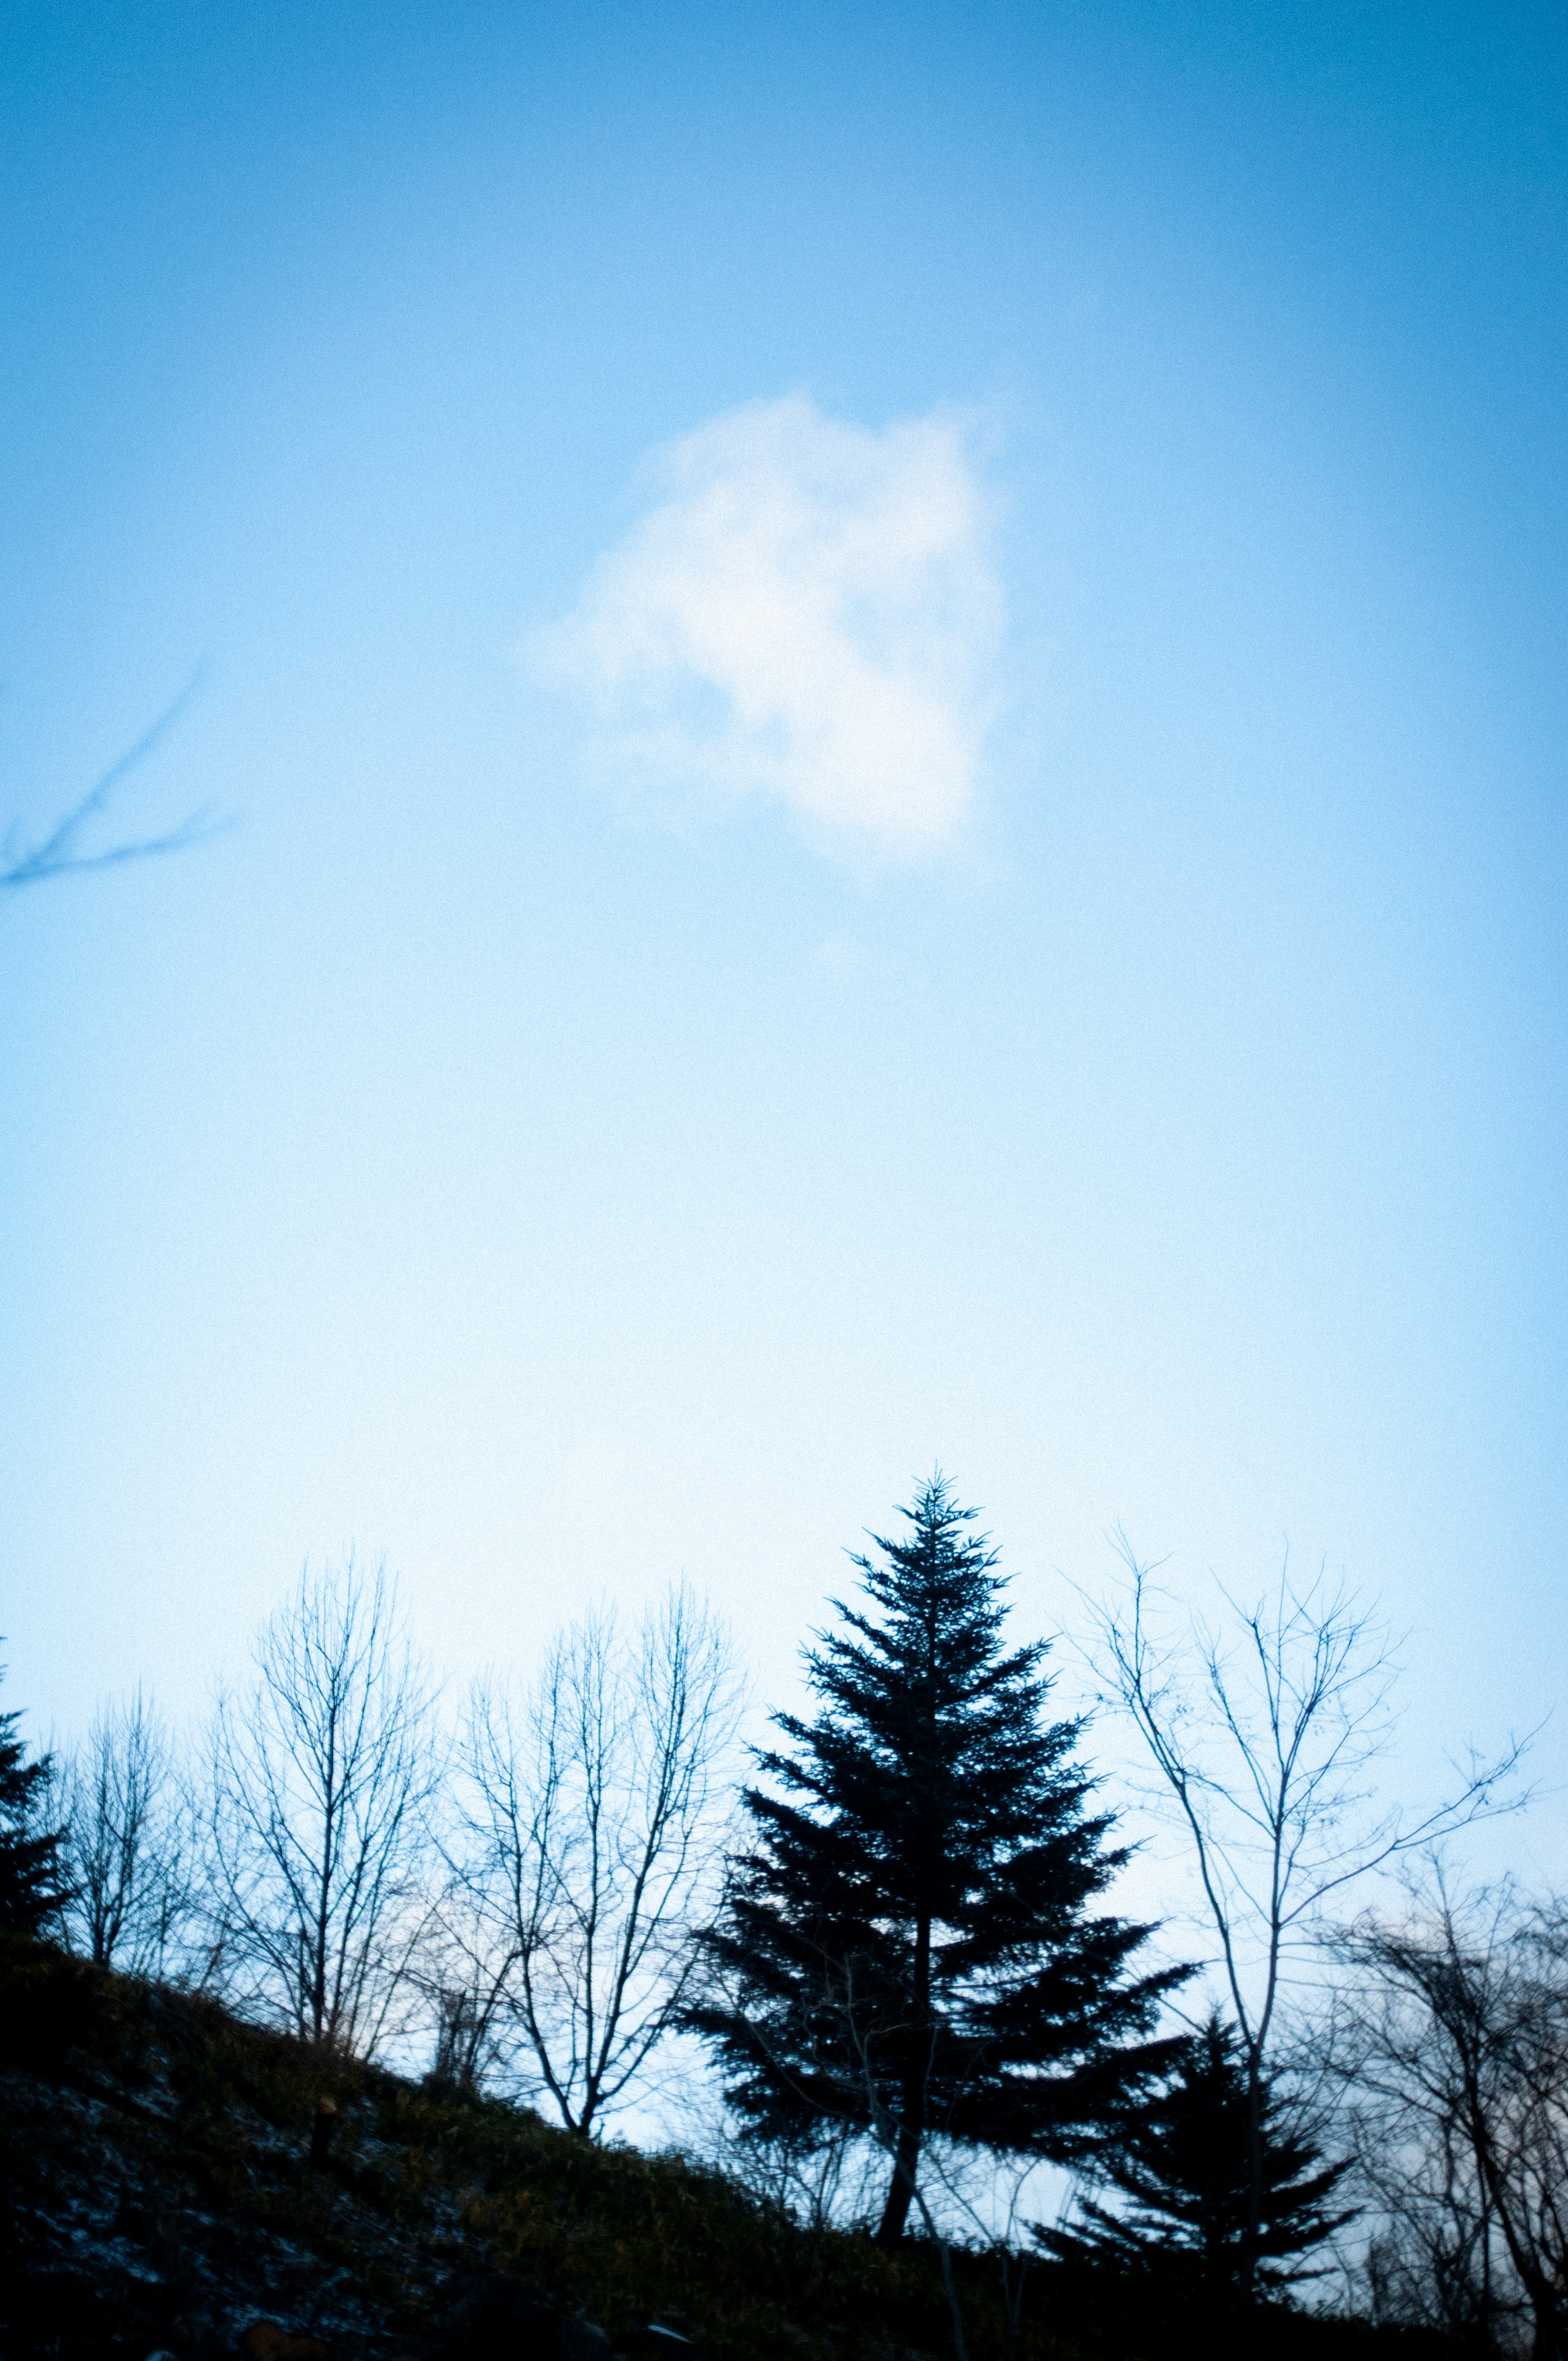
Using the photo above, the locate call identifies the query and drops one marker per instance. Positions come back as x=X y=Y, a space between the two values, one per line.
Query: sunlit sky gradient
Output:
x=538 y=1143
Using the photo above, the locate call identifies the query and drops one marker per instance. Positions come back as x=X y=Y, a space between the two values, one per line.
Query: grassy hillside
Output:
x=160 y=2193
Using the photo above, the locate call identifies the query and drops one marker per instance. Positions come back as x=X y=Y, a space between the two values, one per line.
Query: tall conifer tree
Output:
x=908 y=1948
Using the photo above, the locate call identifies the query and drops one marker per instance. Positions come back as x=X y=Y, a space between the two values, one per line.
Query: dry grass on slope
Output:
x=160 y=2193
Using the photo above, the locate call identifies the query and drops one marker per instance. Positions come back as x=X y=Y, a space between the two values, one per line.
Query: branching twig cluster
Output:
x=585 y=1860
x=1264 y=1728
x=60 y=852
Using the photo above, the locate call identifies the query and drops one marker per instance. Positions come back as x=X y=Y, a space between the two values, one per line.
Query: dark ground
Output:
x=158 y=2193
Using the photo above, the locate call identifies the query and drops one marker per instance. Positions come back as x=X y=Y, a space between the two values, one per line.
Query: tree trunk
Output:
x=1253 y=2239
x=906 y=2149
x=901 y=2195
x=1547 y=2346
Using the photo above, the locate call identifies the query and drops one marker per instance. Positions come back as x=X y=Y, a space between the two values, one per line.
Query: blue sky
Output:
x=579 y=1123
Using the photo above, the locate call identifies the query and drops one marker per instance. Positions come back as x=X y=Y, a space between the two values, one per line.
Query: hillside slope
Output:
x=160 y=2190
x=159 y=2194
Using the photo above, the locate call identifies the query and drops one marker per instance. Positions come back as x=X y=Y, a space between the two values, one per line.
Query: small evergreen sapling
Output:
x=908 y=1949
x=32 y=1887
x=1181 y=2164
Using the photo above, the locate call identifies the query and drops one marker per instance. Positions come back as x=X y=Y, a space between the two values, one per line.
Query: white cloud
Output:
x=806 y=615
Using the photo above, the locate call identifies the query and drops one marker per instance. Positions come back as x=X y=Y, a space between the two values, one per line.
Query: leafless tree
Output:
x=464 y=2034
x=323 y=1768
x=60 y=852
x=463 y=1966
x=594 y=1838
x=823 y=2183
x=831 y=2181
x=1458 y=2075
x=1265 y=1729
x=130 y=1849
x=983 y=2199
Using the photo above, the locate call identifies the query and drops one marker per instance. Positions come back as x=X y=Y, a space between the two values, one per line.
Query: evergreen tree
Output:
x=907 y=1950
x=32 y=1887
x=1181 y=2163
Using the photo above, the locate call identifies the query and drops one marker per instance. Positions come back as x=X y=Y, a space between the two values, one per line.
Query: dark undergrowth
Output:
x=158 y=2193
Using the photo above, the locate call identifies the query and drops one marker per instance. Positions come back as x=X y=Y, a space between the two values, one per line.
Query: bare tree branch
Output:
x=323 y=1775
x=129 y=1846
x=1264 y=1729
x=593 y=1836
x=59 y=853
x=1457 y=2076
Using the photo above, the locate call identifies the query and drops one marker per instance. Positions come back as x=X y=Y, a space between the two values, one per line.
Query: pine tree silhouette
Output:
x=907 y=1950
x=1180 y=2161
x=31 y=1885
